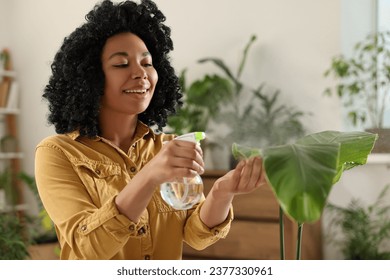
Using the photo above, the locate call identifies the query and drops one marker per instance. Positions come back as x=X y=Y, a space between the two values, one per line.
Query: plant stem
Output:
x=299 y=240
x=281 y=233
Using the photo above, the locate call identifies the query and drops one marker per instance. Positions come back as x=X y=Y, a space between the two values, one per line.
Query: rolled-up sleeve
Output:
x=199 y=236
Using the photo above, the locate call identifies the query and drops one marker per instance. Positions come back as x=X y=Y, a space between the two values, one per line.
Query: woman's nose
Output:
x=138 y=72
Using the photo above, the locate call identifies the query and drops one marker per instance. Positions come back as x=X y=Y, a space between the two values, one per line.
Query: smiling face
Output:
x=130 y=78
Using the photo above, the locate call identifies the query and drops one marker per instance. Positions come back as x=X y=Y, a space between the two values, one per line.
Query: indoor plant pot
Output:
x=364 y=85
x=382 y=144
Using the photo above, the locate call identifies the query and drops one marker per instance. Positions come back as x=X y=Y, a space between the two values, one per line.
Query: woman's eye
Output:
x=122 y=65
x=148 y=64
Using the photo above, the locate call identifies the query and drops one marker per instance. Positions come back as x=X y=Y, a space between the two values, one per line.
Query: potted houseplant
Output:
x=302 y=174
x=9 y=196
x=44 y=242
x=265 y=120
x=13 y=245
x=202 y=100
x=22 y=235
x=4 y=56
x=364 y=85
x=364 y=230
x=14 y=241
x=256 y=114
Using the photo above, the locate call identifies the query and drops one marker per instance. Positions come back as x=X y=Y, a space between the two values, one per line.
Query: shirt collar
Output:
x=141 y=131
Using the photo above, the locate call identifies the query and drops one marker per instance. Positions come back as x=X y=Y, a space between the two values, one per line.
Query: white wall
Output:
x=296 y=40
x=4 y=32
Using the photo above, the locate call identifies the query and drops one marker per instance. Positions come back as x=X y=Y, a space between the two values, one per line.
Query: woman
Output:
x=98 y=177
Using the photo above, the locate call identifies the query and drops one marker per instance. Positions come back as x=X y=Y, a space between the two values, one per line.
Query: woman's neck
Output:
x=119 y=129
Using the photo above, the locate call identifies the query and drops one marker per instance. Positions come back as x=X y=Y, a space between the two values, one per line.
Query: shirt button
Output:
x=141 y=231
x=84 y=227
x=147 y=257
x=133 y=169
x=131 y=227
x=216 y=232
x=97 y=171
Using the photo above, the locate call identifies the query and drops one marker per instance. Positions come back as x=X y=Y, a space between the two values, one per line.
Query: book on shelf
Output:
x=4 y=90
x=13 y=96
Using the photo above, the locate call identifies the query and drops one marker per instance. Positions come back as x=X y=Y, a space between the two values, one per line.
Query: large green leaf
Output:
x=302 y=174
x=301 y=177
x=354 y=149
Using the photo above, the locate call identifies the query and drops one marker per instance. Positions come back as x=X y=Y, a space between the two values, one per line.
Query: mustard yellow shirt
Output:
x=78 y=179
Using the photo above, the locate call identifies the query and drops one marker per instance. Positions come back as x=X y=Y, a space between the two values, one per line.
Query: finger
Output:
x=185 y=172
x=183 y=143
x=179 y=162
x=263 y=179
x=184 y=157
x=189 y=150
x=236 y=175
x=199 y=149
x=238 y=170
x=245 y=175
x=251 y=178
x=256 y=174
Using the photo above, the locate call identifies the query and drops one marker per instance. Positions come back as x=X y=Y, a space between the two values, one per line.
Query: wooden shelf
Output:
x=11 y=155
x=9 y=111
x=7 y=73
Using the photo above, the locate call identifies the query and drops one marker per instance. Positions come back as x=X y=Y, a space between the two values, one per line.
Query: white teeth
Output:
x=134 y=91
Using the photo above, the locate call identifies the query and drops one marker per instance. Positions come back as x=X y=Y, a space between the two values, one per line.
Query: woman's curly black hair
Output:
x=76 y=85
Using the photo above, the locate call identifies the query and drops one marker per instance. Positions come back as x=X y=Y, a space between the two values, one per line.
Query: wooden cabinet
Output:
x=254 y=233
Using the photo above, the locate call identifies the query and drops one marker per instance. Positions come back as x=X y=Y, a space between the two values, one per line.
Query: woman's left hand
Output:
x=245 y=178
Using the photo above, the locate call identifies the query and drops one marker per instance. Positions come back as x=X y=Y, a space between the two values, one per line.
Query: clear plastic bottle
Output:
x=183 y=193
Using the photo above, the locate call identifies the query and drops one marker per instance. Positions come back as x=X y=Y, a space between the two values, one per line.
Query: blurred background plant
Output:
x=13 y=244
x=19 y=231
x=265 y=120
x=4 y=58
x=41 y=228
x=203 y=99
x=364 y=80
x=365 y=231
x=251 y=115
x=9 y=196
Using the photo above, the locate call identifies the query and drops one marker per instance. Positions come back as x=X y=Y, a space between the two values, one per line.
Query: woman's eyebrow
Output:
x=144 y=54
x=119 y=54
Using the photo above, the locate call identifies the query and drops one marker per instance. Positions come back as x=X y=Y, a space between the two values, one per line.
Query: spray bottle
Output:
x=183 y=193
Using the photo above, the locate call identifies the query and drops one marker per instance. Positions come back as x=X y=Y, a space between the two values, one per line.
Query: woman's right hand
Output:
x=177 y=158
